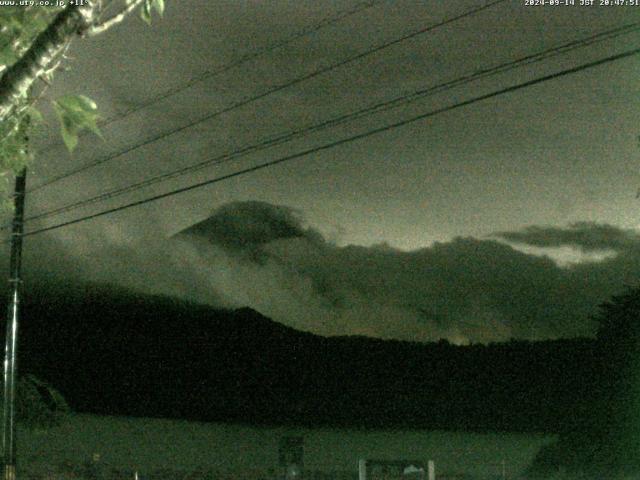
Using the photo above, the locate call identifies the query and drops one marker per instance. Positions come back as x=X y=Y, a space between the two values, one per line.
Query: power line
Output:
x=244 y=59
x=270 y=91
x=343 y=141
x=377 y=108
x=236 y=63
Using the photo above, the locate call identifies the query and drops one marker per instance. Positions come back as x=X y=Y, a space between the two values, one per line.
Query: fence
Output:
x=378 y=470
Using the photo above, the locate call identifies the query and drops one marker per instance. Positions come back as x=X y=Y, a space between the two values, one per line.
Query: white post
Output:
x=431 y=468
x=362 y=469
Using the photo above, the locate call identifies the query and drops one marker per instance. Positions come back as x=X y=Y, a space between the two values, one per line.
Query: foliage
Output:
x=76 y=113
x=619 y=320
x=19 y=27
x=148 y=6
x=607 y=439
x=38 y=404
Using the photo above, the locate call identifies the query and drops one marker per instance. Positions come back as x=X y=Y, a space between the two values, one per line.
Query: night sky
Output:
x=511 y=217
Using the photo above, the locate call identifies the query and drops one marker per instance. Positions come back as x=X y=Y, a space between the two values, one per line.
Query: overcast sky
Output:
x=511 y=217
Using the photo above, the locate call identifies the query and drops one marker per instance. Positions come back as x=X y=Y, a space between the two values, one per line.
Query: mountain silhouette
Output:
x=113 y=351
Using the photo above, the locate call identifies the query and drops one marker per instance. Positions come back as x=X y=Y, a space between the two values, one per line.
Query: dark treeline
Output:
x=604 y=440
x=112 y=352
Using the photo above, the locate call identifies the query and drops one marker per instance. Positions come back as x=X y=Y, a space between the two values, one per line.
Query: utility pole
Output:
x=11 y=339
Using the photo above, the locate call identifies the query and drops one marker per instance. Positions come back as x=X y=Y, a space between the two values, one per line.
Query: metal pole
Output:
x=362 y=469
x=431 y=468
x=11 y=339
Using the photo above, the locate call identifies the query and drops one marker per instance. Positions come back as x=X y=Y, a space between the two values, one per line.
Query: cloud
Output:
x=266 y=257
x=135 y=258
x=465 y=289
x=247 y=226
x=586 y=236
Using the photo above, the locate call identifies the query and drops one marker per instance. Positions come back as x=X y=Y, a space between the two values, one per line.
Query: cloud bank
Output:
x=464 y=290
x=586 y=236
x=266 y=257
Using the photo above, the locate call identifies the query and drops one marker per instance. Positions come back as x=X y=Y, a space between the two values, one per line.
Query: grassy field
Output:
x=151 y=445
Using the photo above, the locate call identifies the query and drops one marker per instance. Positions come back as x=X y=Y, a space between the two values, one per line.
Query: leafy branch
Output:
x=33 y=41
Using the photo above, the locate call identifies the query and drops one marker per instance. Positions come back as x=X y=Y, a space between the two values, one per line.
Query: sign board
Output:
x=372 y=469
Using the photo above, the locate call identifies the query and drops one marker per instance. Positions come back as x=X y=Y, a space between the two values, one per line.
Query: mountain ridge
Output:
x=110 y=351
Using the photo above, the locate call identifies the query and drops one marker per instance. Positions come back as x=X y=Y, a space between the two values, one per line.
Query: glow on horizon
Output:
x=566 y=257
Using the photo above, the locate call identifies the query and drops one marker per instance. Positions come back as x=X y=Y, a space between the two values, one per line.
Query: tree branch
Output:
x=18 y=78
x=107 y=24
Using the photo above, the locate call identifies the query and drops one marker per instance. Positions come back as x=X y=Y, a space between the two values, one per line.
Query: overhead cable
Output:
x=343 y=141
x=342 y=119
x=277 y=88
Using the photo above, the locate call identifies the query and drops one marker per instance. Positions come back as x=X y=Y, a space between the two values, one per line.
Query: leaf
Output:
x=145 y=12
x=69 y=131
x=148 y=6
x=35 y=115
x=77 y=102
x=19 y=27
x=7 y=57
x=76 y=113
x=158 y=5
x=14 y=154
x=68 y=128
x=15 y=23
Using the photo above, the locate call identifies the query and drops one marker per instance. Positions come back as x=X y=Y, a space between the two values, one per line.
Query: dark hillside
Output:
x=114 y=352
